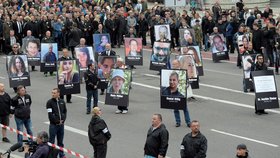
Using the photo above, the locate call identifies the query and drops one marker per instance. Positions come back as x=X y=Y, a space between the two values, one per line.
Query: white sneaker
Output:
x=118 y=111
x=124 y=112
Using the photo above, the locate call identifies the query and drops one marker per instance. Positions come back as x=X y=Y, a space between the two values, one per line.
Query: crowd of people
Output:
x=71 y=24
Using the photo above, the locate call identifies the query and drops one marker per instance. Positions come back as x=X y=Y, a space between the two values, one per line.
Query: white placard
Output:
x=264 y=84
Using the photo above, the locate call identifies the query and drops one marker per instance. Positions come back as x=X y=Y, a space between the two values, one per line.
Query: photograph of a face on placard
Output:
x=49 y=52
x=195 y=51
x=187 y=63
x=119 y=81
x=161 y=52
x=173 y=83
x=85 y=56
x=100 y=40
x=243 y=43
x=133 y=47
x=185 y=35
x=17 y=66
x=248 y=61
x=68 y=72
x=218 y=43
x=31 y=48
x=105 y=65
x=162 y=33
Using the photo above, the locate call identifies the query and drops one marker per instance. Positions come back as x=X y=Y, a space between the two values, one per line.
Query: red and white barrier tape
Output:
x=50 y=144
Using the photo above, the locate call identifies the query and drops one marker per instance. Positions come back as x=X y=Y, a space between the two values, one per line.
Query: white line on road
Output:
x=212 y=99
x=210 y=86
x=245 y=138
x=221 y=72
x=2 y=78
x=74 y=130
x=78 y=96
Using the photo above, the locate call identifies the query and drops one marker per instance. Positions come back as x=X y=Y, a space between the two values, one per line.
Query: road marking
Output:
x=72 y=129
x=212 y=99
x=2 y=78
x=245 y=138
x=78 y=96
x=222 y=72
x=211 y=86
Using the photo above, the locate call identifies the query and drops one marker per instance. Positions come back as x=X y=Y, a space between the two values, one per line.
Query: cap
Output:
x=241 y=146
x=119 y=73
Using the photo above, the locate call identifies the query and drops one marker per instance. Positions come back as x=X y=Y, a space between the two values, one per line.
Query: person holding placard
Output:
x=260 y=65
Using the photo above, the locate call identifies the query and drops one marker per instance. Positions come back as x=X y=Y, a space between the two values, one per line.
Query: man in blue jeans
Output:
x=57 y=115
x=176 y=65
x=92 y=81
x=21 y=109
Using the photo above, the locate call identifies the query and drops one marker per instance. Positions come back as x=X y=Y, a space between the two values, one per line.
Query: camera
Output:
x=32 y=145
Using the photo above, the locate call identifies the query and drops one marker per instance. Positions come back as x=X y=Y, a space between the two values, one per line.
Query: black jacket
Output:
x=42 y=151
x=5 y=104
x=257 y=40
x=91 y=80
x=21 y=109
x=56 y=113
x=157 y=141
x=98 y=132
x=194 y=147
x=104 y=53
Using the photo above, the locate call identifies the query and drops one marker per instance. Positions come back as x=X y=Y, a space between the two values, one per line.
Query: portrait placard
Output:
x=265 y=90
x=118 y=88
x=85 y=56
x=32 y=50
x=100 y=40
x=105 y=65
x=162 y=33
x=195 y=52
x=49 y=56
x=160 y=56
x=133 y=51
x=185 y=34
x=218 y=47
x=68 y=77
x=17 y=68
x=173 y=89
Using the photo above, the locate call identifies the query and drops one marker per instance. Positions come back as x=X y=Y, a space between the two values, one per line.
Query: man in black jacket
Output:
x=157 y=139
x=98 y=134
x=21 y=108
x=194 y=144
x=257 y=39
x=5 y=106
x=91 y=80
x=57 y=113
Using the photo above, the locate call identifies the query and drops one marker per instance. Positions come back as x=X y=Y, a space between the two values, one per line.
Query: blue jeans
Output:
x=57 y=130
x=206 y=42
x=27 y=124
x=94 y=94
x=178 y=118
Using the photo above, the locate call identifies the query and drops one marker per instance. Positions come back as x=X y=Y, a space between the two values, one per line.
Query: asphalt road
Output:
x=226 y=114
